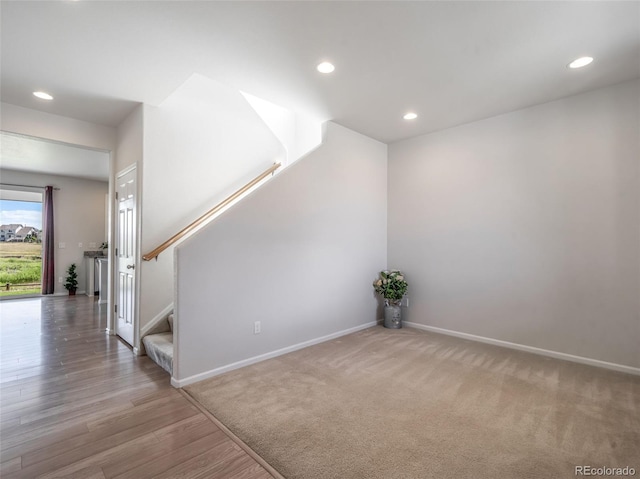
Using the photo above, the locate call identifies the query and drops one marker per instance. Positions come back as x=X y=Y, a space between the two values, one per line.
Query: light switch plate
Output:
x=62 y=245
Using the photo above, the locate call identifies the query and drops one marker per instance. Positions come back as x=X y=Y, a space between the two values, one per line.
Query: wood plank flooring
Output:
x=76 y=403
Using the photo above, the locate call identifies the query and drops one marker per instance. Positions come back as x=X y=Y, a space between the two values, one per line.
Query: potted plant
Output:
x=392 y=287
x=105 y=248
x=71 y=283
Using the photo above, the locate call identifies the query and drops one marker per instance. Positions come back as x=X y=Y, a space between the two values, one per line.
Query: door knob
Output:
x=131 y=266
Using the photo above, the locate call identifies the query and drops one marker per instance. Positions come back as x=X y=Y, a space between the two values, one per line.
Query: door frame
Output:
x=113 y=270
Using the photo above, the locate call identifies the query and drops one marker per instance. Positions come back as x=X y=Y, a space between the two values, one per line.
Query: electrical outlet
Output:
x=62 y=245
x=80 y=245
x=256 y=327
x=60 y=279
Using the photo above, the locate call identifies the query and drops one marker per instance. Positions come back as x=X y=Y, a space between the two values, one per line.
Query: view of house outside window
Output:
x=20 y=247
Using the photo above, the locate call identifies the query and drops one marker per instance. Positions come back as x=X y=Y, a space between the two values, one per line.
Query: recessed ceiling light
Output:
x=42 y=95
x=325 y=67
x=580 y=62
x=410 y=116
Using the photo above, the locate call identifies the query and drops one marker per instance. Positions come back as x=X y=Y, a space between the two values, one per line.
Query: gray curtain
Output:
x=48 y=268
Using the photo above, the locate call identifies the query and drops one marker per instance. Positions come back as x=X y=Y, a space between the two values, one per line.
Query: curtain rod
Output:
x=27 y=186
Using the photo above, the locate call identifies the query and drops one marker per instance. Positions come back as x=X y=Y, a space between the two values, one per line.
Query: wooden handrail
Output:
x=187 y=229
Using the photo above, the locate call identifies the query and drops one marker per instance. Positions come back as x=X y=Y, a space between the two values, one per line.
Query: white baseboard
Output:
x=179 y=383
x=530 y=349
x=155 y=320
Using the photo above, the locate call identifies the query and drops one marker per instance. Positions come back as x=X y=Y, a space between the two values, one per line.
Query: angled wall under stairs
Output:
x=203 y=142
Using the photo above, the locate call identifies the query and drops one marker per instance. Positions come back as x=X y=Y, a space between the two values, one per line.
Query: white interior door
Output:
x=125 y=255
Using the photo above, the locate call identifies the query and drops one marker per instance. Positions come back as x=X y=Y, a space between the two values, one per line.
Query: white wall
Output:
x=129 y=149
x=201 y=144
x=299 y=254
x=298 y=133
x=525 y=227
x=40 y=124
x=79 y=217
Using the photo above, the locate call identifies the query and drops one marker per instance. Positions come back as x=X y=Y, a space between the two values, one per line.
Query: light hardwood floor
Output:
x=76 y=403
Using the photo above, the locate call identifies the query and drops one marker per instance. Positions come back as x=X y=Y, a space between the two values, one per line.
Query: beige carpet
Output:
x=409 y=404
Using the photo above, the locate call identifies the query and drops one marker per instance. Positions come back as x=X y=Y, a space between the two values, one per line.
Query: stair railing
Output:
x=202 y=219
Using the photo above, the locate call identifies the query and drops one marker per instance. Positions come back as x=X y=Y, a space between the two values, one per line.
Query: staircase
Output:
x=159 y=344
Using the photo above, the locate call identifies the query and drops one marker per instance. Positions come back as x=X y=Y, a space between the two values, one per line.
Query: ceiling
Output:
x=450 y=62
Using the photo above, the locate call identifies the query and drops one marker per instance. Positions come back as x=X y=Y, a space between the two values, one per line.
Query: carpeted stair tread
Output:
x=159 y=347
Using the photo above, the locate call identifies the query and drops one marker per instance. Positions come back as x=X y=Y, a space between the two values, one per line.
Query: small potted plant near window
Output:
x=105 y=248
x=71 y=283
x=392 y=287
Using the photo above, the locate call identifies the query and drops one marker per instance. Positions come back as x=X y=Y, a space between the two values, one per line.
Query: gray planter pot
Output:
x=393 y=316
